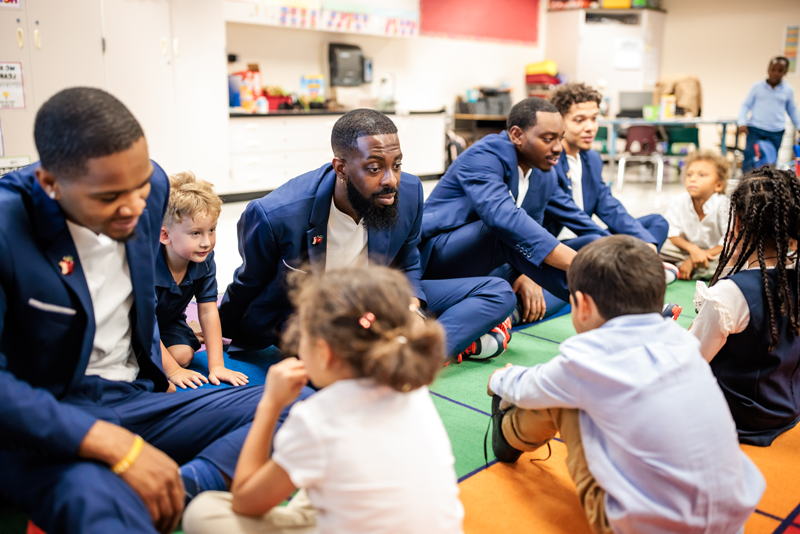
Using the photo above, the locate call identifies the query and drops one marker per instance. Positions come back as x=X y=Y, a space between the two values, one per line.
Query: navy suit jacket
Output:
x=276 y=237
x=597 y=199
x=47 y=323
x=476 y=187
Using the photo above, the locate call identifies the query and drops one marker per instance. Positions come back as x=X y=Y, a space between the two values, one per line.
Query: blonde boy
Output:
x=698 y=218
x=185 y=268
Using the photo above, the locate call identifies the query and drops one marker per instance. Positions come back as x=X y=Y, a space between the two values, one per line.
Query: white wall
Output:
x=430 y=71
x=727 y=44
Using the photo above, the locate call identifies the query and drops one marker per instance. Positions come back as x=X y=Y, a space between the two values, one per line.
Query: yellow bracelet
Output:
x=126 y=463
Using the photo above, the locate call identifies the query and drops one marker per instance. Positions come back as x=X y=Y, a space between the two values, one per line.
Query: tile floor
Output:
x=638 y=195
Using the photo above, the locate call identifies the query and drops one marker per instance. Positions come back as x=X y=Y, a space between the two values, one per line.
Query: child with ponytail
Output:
x=747 y=320
x=369 y=450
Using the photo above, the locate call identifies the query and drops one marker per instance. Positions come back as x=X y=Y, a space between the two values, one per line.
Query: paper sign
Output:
x=12 y=93
x=10 y=4
x=790 y=45
x=628 y=53
x=12 y=164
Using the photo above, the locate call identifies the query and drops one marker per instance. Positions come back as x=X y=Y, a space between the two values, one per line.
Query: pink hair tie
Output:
x=366 y=320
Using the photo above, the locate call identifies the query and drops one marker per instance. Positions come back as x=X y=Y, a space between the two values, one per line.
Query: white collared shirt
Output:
x=576 y=178
x=684 y=222
x=524 y=182
x=347 y=241
x=105 y=266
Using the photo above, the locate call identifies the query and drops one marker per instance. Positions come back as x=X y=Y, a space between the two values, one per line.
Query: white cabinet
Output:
x=164 y=59
x=583 y=43
x=59 y=44
x=267 y=151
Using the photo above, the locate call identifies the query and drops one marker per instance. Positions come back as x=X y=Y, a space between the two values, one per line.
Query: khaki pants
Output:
x=527 y=430
x=210 y=513
x=672 y=254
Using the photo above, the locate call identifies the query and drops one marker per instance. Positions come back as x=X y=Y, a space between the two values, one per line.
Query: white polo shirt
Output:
x=105 y=266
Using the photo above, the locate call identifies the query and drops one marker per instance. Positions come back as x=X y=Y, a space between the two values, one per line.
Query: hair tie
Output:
x=366 y=320
x=402 y=340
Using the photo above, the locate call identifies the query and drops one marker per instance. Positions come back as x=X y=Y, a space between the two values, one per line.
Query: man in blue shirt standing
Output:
x=767 y=102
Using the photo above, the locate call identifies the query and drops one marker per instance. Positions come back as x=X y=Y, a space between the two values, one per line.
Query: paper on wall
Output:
x=628 y=53
x=10 y=4
x=12 y=92
x=790 y=42
x=12 y=164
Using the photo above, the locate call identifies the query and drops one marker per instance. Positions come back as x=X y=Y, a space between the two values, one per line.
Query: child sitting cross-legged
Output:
x=748 y=320
x=369 y=449
x=698 y=218
x=185 y=269
x=650 y=441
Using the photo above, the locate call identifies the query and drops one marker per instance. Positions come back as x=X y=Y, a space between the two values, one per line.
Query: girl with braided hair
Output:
x=747 y=320
x=369 y=449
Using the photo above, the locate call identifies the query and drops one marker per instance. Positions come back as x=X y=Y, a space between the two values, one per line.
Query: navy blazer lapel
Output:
x=317 y=236
x=51 y=227
x=139 y=251
x=378 y=242
x=588 y=185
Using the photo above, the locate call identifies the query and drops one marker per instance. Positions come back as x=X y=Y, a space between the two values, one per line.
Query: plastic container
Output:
x=667 y=108
x=616 y=4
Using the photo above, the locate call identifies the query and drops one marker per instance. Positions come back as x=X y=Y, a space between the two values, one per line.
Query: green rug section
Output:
x=464 y=385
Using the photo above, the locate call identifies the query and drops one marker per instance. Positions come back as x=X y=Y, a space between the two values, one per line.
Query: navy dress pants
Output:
x=467 y=308
x=657 y=226
x=474 y=250
x=71 y=496
x=754 y=135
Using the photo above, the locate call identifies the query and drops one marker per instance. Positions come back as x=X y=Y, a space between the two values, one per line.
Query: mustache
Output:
x=385 y=191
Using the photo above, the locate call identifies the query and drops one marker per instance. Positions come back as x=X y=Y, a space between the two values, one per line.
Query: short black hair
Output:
x=79 y=124
x=621 y=273
x=780 y=58
x=523 y=114
x=355 y=124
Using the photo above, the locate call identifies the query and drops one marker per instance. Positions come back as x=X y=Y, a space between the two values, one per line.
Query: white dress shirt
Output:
x=524 y=183
x=576 y=178
x=657 y=432
x=105 y=266
x=721 y=310
x=684 y=222
x=347 y=241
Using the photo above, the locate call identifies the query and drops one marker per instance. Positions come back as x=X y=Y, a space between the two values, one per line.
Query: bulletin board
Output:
x=512 y=21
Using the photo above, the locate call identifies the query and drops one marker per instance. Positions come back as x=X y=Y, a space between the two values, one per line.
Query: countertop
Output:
x=314 y=112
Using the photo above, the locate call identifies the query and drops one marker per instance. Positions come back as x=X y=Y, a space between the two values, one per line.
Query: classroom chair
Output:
x=642 y=145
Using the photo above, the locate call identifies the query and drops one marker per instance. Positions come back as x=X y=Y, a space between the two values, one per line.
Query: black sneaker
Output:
x=503 y=451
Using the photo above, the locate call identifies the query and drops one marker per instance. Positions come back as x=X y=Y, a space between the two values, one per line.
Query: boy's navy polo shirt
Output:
x=172 y=299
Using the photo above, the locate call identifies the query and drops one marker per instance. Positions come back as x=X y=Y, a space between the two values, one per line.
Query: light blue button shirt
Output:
x=656 y=429
x=767 y=107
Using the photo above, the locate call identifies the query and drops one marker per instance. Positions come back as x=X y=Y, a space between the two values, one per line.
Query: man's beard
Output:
x=125 y=238
x=373 y=216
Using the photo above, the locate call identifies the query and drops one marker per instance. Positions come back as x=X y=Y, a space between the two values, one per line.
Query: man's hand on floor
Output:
x=530 y=293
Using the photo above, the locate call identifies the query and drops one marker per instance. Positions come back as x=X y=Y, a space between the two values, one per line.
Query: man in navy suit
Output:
x=89 y=439
x=358 y=210
x=486 y=213
x=580 y=169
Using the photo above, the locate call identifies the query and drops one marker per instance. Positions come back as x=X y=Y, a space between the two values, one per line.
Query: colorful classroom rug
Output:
x=535 y=496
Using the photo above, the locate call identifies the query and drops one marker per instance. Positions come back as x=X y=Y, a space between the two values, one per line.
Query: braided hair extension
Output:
x=766 y=208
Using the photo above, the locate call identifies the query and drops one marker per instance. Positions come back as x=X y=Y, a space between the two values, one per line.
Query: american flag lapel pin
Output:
x=67 y=265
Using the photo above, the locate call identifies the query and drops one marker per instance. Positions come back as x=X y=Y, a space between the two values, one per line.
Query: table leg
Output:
x=723 y=147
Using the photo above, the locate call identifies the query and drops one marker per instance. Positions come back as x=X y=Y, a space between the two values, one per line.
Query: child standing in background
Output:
x=369 y=449
x=185 y=268
x=767 y=103
x=747 y=322
x=698 y=218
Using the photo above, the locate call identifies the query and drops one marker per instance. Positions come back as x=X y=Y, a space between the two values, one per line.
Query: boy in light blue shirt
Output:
x=651 y=443
x=768 y=102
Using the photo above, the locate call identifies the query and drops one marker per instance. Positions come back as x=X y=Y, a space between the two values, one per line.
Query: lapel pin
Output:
x=316 y=240
x=67 y=265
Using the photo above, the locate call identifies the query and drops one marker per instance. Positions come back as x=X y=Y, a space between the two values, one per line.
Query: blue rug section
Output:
x=252 y=363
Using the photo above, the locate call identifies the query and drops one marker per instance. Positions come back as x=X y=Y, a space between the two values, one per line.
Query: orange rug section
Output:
x=531 y=496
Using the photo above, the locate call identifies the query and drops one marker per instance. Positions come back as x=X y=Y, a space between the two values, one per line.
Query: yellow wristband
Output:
x=126 y=463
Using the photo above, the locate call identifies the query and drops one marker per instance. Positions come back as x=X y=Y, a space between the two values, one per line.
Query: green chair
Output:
x=602 y=137
x=681 y=136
